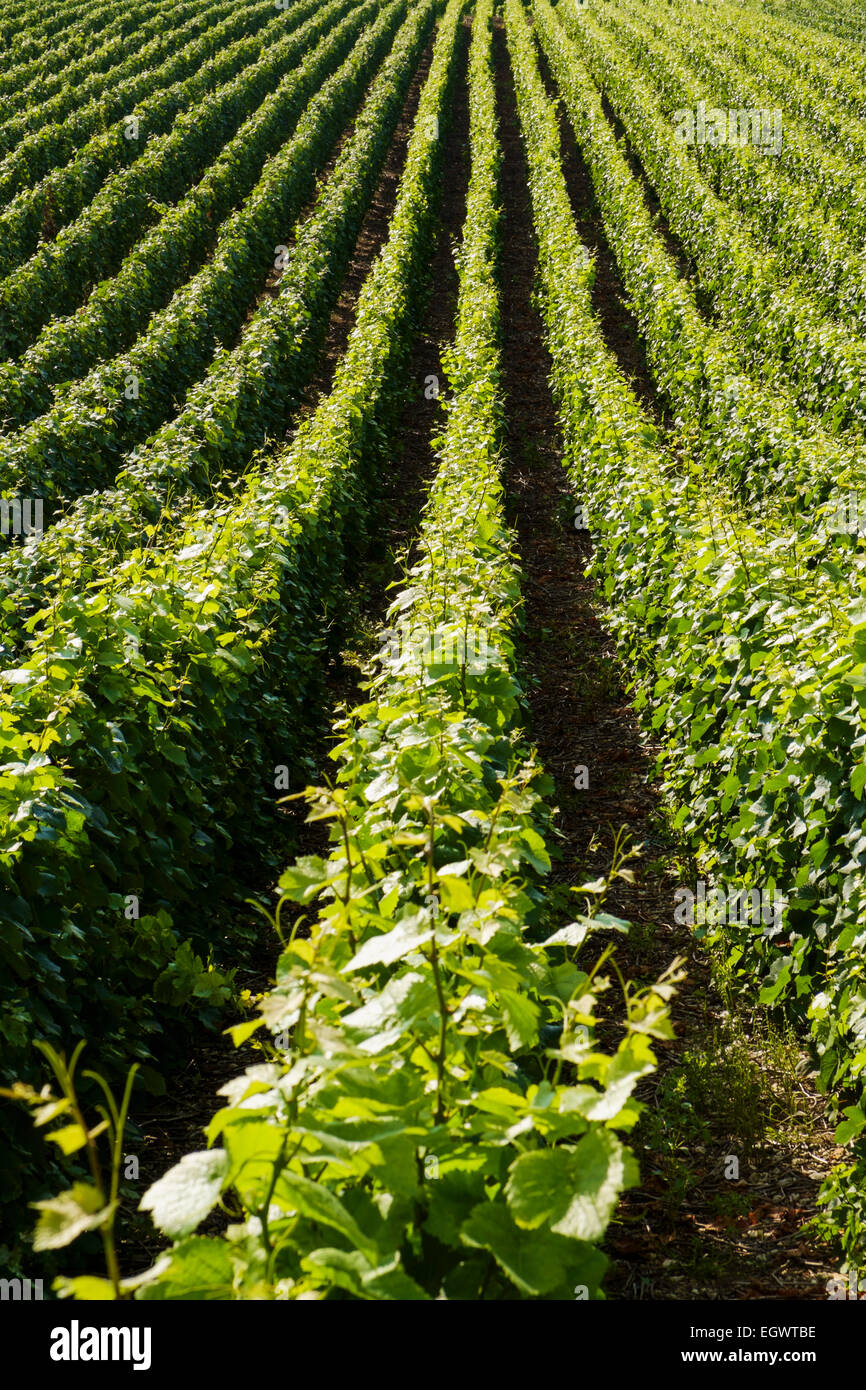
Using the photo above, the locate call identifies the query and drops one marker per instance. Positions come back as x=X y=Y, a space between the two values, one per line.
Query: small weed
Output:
x=597 y=677
x=729 y=1091
x=730 y=1206
x=707 y=1260
x=641 y=936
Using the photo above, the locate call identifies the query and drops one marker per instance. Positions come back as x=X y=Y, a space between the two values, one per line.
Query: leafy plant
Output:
x=397 y=1143
x=118 y=312
x=744 y=644
x=85 y=1206
x=217 y=642
x=247 y=394
x=58 y=276
x=776 y=325
x=842 y=1218
x=89 y=93
x=73 y=186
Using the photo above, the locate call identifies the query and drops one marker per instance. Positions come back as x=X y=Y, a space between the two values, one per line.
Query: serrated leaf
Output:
x=534 y=1264
x=62 y=1219
x=520 y=1017
x=318 y=1203
x=200 y=1267
x=409 y=934
x=187 y=1192
x=573 y=1191
x=852 y=1126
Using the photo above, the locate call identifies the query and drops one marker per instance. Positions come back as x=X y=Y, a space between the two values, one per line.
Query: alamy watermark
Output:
x=703 y=906
x=452 y=646
x=21 y=1290
x=845 y=515
x=838 y=1287
x=21 y=516
x=77 y=1343
x=738 y=126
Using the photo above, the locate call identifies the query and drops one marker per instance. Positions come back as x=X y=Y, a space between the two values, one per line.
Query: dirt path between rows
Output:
x=725 y=1087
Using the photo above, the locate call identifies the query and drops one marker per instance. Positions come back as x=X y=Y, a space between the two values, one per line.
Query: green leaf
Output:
x=239 y=1032
x=51 y=1111
x=575 y=933
x=351 y=1271
x=771 y=992
x=318 y=1203
x=534 y=1263
x=305 y=878
x=858 y=780
x=187 y=1192
x=391 y=1012
x=198 y=1268
x=70 y=1138
x=381 y=787
x=520 y=1017
x=86 y=1287
x=572 y=1190
x=451 y=1198
x=852 y=1126
x=253 y=1145
x=409 y=934
x=62 y=1219
x=619 y=1075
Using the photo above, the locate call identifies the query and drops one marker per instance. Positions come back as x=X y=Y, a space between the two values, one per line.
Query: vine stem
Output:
x=437 y=977
x=106 y=1231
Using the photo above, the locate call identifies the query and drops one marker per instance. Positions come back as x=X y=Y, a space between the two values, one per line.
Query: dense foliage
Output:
x=444 y=1090
x=415 y=1138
